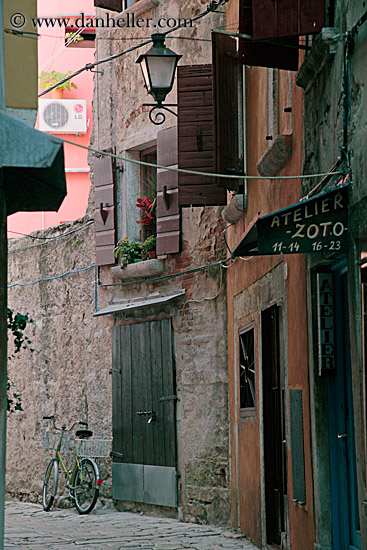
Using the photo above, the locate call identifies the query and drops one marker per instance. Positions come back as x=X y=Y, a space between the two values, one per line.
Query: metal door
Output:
x=275 y=452
x=144 y=419
x=344 y=492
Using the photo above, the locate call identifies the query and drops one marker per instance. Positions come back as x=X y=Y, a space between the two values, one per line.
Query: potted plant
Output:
x=148 y=210
x=129 y=251
x=50 y=79
x=149 y=246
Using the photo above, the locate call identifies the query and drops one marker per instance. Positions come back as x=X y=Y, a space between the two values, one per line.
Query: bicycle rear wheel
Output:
x=85 y=488
x=50 y=484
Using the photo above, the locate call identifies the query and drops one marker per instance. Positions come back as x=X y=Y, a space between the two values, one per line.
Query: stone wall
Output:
x=68 y=372
x=199 y=319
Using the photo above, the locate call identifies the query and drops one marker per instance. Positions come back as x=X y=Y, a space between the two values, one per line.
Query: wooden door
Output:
x=275 y=457
x=144 y=419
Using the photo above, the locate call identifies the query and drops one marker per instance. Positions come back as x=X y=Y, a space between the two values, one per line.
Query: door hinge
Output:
x=169 y=398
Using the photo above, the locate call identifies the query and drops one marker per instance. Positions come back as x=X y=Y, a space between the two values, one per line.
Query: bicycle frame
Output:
x=67 y=473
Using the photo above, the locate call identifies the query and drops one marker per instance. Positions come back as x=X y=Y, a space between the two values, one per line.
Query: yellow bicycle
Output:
x=82 y=481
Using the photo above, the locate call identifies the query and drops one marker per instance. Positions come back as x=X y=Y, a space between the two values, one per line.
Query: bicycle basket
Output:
x=98 y=447
x=51 y=440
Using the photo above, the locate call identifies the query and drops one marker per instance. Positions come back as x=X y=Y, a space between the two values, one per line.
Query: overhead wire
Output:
x=193 y=172
x=211 y=8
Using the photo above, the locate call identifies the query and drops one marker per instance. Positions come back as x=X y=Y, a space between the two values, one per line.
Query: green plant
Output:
x=47 y=80
x=17 y=324
x=73 y=37
x=149 y=244
x=128 y=251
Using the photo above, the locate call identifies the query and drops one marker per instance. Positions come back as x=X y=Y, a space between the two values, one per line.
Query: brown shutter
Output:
x=114 y=5
x=196 y=137
x=168 y=211
x=105 y=214
x=279 y=54
x=226 y=77
x=278 y=18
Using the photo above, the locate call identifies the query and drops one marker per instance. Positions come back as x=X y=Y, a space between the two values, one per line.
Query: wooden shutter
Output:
x=168 y=211
x=105 y=213
x=279 y=54
x=196 y=137
x=226 y=77
x=278 y=18
x=114 y=5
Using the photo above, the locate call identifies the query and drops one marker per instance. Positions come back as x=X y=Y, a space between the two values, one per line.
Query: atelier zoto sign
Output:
x=319 y=224
x=325 y=322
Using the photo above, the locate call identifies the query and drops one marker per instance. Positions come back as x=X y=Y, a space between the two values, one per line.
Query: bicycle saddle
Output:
x=83 y=434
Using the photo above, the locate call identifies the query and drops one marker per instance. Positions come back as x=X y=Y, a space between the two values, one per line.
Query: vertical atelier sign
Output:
x=325 y=318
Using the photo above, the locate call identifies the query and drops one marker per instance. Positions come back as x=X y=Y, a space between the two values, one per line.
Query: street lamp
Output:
x=159 y=68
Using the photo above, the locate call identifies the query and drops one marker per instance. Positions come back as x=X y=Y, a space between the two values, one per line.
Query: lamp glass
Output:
x=161 y=71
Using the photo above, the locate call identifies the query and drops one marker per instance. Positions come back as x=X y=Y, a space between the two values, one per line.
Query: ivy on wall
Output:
x=17 y=323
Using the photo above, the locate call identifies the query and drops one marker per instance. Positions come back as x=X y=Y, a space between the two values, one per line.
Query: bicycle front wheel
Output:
x=85 y=488
x=50 y=484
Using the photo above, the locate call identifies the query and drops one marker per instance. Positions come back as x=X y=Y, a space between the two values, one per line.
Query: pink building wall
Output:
x=53 y=55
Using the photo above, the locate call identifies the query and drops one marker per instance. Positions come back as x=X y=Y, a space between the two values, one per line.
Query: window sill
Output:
x=322 y=50
x=139 y=8
x=140 y=270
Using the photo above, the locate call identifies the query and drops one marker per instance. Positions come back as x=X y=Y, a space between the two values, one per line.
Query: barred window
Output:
x=247 y=371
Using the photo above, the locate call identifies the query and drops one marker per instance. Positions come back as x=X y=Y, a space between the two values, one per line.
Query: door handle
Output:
x=342 y=436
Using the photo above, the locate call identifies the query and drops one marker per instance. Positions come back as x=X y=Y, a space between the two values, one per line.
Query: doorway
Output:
x=275 y=451
x=144 y=414
x=343 y=476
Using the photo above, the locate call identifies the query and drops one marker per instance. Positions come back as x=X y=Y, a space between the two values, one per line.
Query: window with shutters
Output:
x=279 y=54
x=104 y=168
x=227 y=109
x=247 y=380
x=196 y=137
x=113 y=5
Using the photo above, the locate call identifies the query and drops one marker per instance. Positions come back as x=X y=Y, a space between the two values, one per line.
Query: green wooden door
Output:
x=144 y=419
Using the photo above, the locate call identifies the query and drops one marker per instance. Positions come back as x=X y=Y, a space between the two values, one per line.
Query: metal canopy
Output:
x=247 y=245
x=33 y=166
x=317 y=224
x=127 y=305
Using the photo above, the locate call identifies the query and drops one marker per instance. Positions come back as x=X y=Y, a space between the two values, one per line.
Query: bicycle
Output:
x=82 y=481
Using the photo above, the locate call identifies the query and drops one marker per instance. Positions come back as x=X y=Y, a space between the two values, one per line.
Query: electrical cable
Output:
x=53 y=278
x=30 y=236
x=212 y=7
x=194 y=172
x=167 y=277
x=54 y=239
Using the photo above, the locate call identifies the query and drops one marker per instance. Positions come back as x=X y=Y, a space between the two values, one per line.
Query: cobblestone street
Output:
x=30 y=528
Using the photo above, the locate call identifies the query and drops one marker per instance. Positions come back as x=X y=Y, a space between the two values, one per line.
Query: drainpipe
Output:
x=3 y=300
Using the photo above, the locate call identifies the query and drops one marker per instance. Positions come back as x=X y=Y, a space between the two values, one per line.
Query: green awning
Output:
x=33 y=164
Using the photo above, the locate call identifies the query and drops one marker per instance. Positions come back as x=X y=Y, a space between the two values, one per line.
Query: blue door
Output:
x=344 y=492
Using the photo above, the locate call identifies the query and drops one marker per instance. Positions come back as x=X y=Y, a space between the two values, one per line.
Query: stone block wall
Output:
x=68 y=372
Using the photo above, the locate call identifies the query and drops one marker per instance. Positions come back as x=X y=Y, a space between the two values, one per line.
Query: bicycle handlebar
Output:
x=64 y=428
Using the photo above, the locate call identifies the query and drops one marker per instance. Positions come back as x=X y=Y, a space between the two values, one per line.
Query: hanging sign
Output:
x=325 y=322
x=319 y=224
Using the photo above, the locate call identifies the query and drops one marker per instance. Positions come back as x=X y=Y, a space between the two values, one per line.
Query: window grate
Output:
x=247 y=369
